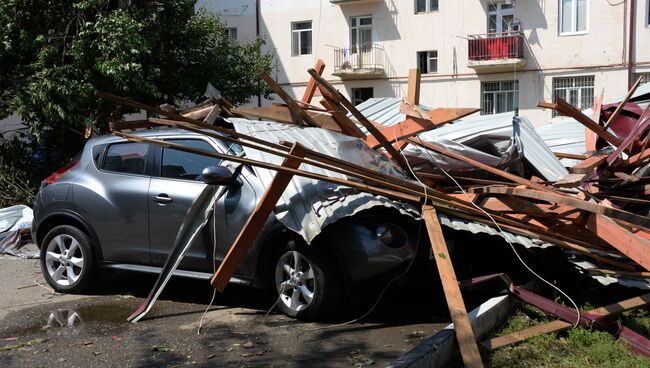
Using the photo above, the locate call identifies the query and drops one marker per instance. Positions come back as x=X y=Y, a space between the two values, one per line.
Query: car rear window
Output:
x=178 y=164
x=127 y=158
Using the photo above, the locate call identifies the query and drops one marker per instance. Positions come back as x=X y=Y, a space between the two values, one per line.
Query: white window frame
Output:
x=514 y=91
x=647 y=13
x=232 y=33
x=300 y=37
x=429 y=57
x=574 y=10
x=428 y=6
x=498 y=14
x=357 y=29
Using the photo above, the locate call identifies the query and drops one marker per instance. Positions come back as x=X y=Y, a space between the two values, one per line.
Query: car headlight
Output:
x=391 y=235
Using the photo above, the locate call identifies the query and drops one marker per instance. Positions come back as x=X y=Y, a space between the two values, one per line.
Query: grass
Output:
x=577 y=347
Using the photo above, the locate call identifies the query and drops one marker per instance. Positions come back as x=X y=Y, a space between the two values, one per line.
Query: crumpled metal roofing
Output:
x=307 y=206
x=476 y=131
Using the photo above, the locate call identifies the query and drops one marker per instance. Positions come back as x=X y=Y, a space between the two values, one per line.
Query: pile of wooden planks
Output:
x=598 y=211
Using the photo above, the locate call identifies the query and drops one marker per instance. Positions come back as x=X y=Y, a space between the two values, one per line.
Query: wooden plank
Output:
x=568 y=110
x=397 y=195
x=347 y=126
x=362 y=120
x=282 y=114
x=480 y=165
x=413 y=94
x=570 y=181
x=414 y=125
x=462 y=325
x=556 y=326
x=201 y=113
x=128 y=125
x=311 y=86
x=571 y=201
x=253 y=226
x=590 y=137
x=635 y=247
x=547 y=105
x=588 y=165
x=571 y=156
x=296 y=111
x=213 y=115
x=621 y=105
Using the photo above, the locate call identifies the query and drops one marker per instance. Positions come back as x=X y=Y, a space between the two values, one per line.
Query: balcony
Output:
x=359 y=62
x=494 y=52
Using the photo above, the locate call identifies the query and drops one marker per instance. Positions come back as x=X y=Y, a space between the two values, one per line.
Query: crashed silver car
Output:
x=120 y=206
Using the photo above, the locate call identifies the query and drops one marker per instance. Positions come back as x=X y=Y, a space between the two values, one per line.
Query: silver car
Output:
x=120 y=204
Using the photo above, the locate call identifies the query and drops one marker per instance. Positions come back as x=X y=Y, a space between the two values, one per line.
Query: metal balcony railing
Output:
x=495 y=46
x=359 y=58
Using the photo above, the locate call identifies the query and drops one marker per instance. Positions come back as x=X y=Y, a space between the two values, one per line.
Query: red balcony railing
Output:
x=494 y=46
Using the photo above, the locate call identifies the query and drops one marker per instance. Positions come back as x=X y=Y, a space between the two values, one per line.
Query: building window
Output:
x=425 y=6
x=498 y=97
x=645 y=77
x=360 y=33
x=501 y=18
x=647 y=14
x=232 y=33
x=360 y=95
x=428 y=61
x=573 y=16
x=578 y=91
x=301 y=38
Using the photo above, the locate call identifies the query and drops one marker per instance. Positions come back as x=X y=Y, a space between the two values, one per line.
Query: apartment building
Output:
x=499 y=55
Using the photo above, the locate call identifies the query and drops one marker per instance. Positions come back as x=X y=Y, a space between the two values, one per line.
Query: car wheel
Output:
x=306 y=281
x=67 y=259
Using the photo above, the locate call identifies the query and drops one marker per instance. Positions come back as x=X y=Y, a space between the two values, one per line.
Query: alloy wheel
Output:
x=64 y=260
x=294 y=280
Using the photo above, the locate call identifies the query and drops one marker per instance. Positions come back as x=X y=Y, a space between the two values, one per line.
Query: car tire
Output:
x=310 y=291
x=67 y=259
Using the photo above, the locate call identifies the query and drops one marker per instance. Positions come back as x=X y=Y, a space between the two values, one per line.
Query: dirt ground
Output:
x=40 y=328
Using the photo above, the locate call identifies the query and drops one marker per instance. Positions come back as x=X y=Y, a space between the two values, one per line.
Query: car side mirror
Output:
x=219 y=175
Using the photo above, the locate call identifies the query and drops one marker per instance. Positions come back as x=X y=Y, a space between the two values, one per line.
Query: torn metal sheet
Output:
x=307 y=206
x=536 y=152
x=197 y=217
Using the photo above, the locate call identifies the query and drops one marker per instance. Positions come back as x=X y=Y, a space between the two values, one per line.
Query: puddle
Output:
x=63 y=318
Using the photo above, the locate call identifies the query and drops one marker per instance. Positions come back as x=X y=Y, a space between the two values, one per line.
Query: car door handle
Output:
x=162 y=198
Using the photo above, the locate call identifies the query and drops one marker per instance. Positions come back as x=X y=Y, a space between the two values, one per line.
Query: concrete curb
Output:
x=441 y=349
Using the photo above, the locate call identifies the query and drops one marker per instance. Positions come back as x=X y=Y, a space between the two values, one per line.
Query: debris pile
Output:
x=515 y=187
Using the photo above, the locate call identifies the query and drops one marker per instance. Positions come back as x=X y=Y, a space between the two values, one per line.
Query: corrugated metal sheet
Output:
x=307 y=206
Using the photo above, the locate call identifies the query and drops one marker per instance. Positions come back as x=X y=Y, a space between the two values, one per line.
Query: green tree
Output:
x=54 y=54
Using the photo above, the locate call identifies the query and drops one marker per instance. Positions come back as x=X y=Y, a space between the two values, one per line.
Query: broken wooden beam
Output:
x=253 y=226
x=413 y=92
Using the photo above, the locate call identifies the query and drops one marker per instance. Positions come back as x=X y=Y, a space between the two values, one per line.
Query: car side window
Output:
x=178 y=164
x=127 y=158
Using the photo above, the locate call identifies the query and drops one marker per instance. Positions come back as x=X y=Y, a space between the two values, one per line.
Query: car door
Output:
x=113 y=199
x=176 y=182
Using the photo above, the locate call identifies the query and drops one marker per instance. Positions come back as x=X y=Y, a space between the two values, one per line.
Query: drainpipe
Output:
x=257 y=32
x=630 y=49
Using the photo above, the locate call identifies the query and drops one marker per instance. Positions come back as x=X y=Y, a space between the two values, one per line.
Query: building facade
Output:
x=496 y=55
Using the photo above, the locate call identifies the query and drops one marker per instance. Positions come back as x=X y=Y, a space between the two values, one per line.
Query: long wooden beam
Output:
x=253 y=226
x=567 y=109
x=413 y=93
x=480 y=165
x=362 y=120
x=462 y=325
x=296 y=111
x=571 y=201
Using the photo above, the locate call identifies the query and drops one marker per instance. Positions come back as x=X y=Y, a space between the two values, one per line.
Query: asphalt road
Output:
x=41 y=328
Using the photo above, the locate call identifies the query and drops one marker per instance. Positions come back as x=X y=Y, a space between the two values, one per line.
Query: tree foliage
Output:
x=55 y=53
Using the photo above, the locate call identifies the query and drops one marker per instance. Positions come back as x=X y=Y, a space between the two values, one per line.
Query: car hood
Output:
x=307 y=206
